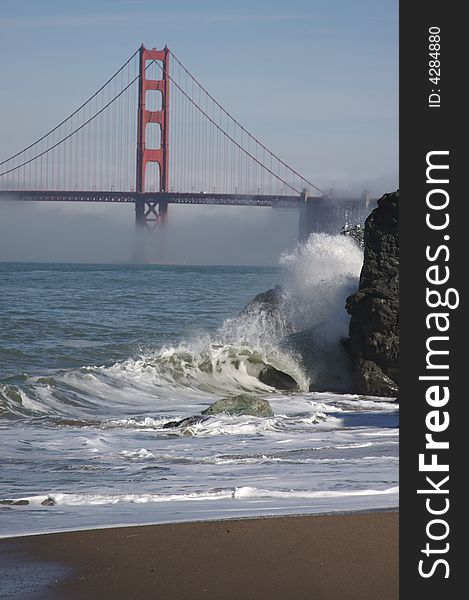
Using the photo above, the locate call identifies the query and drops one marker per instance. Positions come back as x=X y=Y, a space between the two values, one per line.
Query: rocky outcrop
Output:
x=243 y=404
x=277 y=379
x=367 y=361
x=268 y=309
x=269 y=302
x=186 y=422
x=374 y=308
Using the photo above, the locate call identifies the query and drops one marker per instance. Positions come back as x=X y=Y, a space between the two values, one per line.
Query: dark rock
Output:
x=277 y=379
x=243 y=404
x=324 y=360
x=48 y=502
x=374 y=309
x=376 y=382
x=14 y=502
x=185 y=422
x=269 y=301
x=269 y=308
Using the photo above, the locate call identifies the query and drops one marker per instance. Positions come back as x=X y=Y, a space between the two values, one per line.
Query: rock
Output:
x=243 y=404
x=48 y=502
x=185 y=422
x=374 y=309
x=277 y=379
x=269 y=301
x=269 y=309
x=375 y=381
x=14 y=502
x=325 y=361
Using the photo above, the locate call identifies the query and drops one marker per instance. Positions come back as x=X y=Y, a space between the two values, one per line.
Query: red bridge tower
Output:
x=152 y=211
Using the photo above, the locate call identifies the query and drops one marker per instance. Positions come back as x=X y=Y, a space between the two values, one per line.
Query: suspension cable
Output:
x=241 y=126
x=73 y=132
x=70 y=116
x=226 y=134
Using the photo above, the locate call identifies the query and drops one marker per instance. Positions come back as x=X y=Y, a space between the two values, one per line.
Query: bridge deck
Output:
x=170 y=197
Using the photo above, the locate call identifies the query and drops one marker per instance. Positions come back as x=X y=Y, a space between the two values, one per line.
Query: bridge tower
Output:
x=150 y=211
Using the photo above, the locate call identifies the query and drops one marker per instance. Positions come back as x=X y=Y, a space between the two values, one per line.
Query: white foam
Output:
x=319 y=274
x=251 y=492
x=226 y=425
x=238 y=493
x=145 y=423
x=94 y=499
x=140 y=453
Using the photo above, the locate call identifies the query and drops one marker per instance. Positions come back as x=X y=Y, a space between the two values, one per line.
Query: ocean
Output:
x=96 y=359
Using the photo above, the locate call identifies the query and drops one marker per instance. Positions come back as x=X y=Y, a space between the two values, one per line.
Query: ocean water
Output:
x=95 y=359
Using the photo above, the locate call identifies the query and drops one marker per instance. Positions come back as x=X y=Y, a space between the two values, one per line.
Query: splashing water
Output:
x=319 y=275
x=83 y=408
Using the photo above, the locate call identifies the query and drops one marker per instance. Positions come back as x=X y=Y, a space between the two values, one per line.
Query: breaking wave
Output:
x=317 y=277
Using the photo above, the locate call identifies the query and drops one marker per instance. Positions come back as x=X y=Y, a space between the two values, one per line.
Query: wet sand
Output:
x=326 y=557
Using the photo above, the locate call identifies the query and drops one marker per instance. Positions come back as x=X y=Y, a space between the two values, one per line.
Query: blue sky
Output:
x=316 y=80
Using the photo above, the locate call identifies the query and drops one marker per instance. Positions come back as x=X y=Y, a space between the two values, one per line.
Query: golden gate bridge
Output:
x=152 y=135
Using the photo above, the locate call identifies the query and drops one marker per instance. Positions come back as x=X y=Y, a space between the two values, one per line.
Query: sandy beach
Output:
x=347 y=556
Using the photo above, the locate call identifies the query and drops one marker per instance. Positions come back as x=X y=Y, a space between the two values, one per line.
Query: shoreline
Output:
x=328 y=556
x=331 y=513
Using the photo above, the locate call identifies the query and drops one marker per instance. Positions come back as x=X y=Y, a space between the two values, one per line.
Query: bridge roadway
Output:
x=207 y=198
